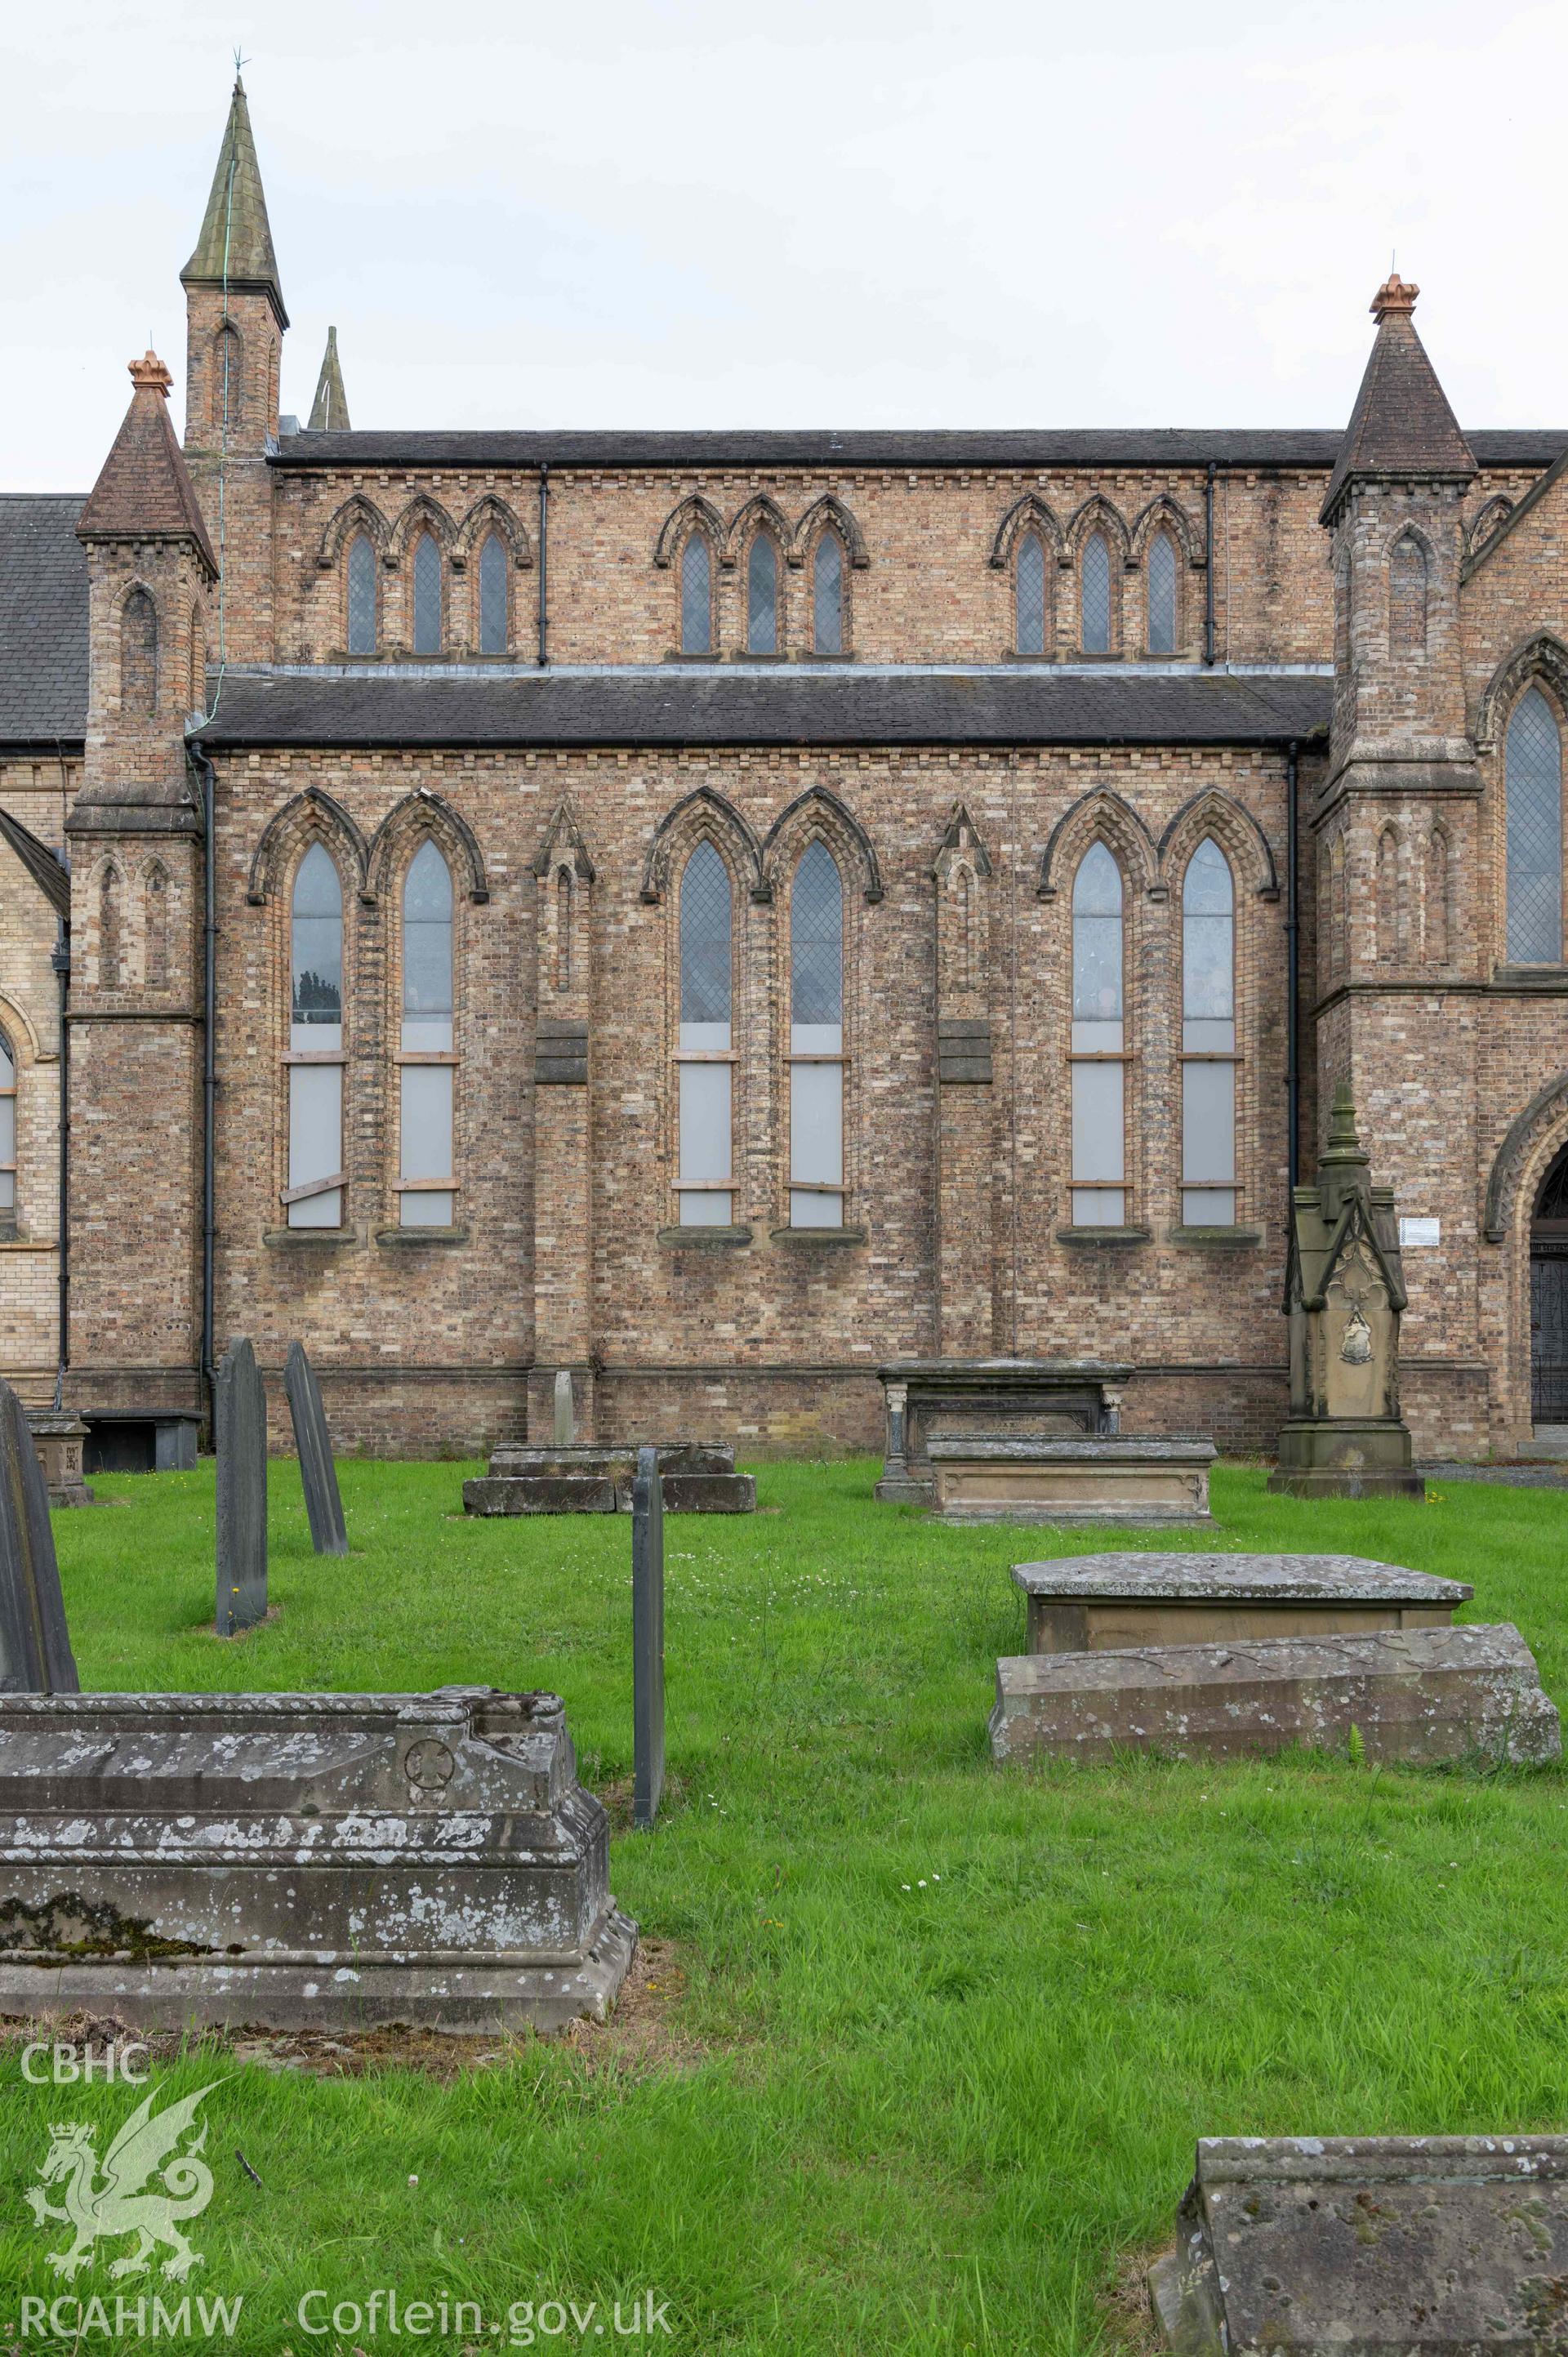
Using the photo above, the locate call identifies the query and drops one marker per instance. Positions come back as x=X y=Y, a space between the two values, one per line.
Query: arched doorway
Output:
x=1549 y=1298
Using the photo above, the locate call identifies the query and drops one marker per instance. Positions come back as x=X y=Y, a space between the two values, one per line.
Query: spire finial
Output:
x=1396 y=296
x=149 y=375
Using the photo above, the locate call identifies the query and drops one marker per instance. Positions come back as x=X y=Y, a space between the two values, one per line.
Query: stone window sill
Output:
x=819 y=1235
x=680 y=1238
x=314 y=1238
x=1218 y=1239
x=1070 y=1235
x=432 y=1235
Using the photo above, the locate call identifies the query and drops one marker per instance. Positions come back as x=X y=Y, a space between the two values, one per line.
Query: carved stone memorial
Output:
x=1087 y=1603
x=60 y=1437
x=35 y=1643
x=318 y=1473
x=991 y=1400
x=1157 y=1484
x=329 y=1861
x=242 y=1490
x=594 y=1477
x=1317 y=2246
x=1344 y=1294
x=647 y=1635
x=1423 y=1695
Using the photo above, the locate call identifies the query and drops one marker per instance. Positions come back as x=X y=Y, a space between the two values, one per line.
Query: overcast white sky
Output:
x=845 y=212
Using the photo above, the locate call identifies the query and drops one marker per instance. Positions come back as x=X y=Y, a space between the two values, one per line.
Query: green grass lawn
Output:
x=945 y=2036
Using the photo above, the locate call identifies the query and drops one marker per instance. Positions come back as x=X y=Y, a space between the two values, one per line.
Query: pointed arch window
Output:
x=816 y=1041
x=492 y=596
x=426 y=1057
x=228 y=380
x=361 y=595
x=1407 y=597
x=313 y=1195
x=158 y=927
x=563 y=930
x=1161 y=594
x=139 y=657
x=827 y=596
x=705 y=1058
x=427 y=615
x=1208 y=1040
x=1099 y=1045
x=1029 y=591
x=762 y=596
x=7 y=1137
x=109 y=970
x=1094 y=574
x=697 y=597
x=1437 y=898
x=1533 y=767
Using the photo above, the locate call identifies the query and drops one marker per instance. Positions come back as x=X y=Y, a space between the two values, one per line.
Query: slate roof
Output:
x=875 y=448
x=1402 y=420
x=144 y=492
x=675 y=707
x=49 y=872
x=43 y=619
x=236 y=238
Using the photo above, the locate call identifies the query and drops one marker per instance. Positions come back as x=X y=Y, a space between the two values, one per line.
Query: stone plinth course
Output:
x=1151 y=1483
x=1009 y=1399
x=304 y=1860
x=1317 y=2246
x=598 y=1479
x=1423 y=1695
x=1084 y=1603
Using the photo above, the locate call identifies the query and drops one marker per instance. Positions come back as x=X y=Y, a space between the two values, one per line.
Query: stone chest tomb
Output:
x=1084 y=1603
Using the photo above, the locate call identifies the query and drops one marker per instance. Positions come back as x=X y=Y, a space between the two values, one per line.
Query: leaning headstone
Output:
x=35 y=1643
x=242 y=1490
x=647 y=1635
x=565 y=1413
x=1311 y=2246
x=328 y=1534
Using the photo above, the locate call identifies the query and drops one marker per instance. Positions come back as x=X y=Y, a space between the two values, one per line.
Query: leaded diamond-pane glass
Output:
x=1534 y=833
x=705 y=964
x=696 y=598
x=427 y=596
x=1096 y=575
x=362 y=595
x=816 y=939
x=317 y=946
x=828 y=594
x=1096 y=949
x=492 y=597
x=1031 y=595
x=1161 y=594
x=762 y=598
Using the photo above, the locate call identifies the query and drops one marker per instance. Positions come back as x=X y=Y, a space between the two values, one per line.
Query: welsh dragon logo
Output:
x=102 y=2208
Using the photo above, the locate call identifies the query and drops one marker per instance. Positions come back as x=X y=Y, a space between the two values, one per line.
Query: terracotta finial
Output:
x=149 y=374
x=1395 y=295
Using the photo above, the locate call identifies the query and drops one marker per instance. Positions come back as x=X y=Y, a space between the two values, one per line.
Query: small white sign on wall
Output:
x=1415 y=1234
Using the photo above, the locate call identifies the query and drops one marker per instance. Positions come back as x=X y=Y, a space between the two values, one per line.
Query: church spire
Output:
x=330 y=410
x=235 y=246
x=144 y=492
x=1401 y=423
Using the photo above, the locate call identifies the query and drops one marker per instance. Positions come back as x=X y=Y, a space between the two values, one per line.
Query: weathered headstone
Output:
x=647 y=1635
x=565 y=1413
x=242 y=1490
x=1310 y=2247
x=35 y=1643
x=328 y=1534
x=59 y=1436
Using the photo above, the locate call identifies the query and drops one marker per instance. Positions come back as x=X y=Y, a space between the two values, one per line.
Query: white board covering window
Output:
x=427 y=1068
x=1099 y=1046
x=704 y=1065
x=313 y=1195
x=7 y=1134
x=816 y=1041
x=1208 y=1040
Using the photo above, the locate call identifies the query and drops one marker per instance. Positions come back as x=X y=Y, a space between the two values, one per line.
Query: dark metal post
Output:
x=1209 y=566
x=647 y=1635
x=208 y=1080
x=1293 y=974
x=543 y=565
x=61 y=961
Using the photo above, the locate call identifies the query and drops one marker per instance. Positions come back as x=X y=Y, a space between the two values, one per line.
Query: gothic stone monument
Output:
x=35 y=1643
x=329 y=1861
x=1317 y=2246
x=1344 y=1292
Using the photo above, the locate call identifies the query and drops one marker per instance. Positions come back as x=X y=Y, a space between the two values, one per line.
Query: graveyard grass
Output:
x=941 y=2039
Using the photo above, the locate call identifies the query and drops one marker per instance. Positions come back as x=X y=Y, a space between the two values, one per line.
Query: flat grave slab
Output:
x=304 y=1860
x=588 y=1478
x=1147 y=1482
x=1084 y=1603
x=1421 y=1694
x=1340 y=2247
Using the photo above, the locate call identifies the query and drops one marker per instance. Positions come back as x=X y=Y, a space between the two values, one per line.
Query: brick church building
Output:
x=720 y=911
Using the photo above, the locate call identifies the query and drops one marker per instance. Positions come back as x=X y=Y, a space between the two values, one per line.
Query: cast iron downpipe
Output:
x=61 y=961
x=1209 y=566
x=543 y=565
x=1293 y=978
x=208 y=1075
